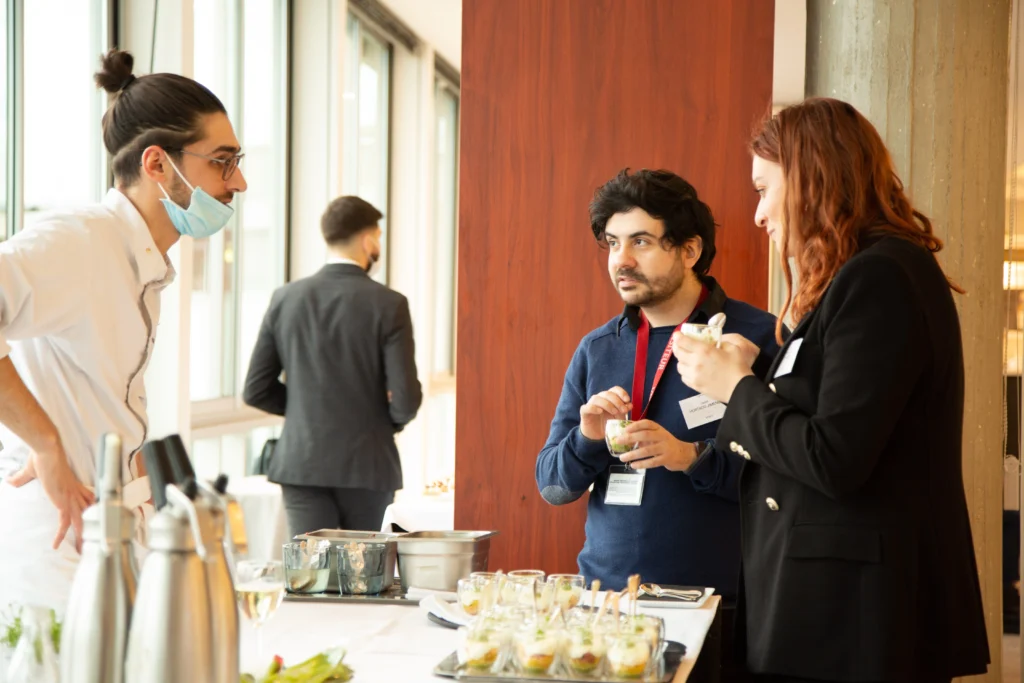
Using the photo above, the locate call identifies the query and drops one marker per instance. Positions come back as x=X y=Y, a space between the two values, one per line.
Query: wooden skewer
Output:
x=499 y=580
x=547 y=595
x=594 y=588
x=489 y=595
x=615 y=607
x=634 y=590
x=604 y=607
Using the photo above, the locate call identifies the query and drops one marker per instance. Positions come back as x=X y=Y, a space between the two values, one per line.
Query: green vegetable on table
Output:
x=325 y=667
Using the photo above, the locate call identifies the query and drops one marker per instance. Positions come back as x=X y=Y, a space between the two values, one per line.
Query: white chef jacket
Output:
x=79 y=306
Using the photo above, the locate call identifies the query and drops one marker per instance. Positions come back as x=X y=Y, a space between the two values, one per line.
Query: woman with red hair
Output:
x=858 y=563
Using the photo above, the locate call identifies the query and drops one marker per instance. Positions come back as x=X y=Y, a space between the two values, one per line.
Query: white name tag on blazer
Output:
x=700 y=410
x=788 y=360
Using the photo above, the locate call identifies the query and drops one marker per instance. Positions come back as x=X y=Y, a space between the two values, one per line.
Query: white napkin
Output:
x=420 y=593
x=658 y=603
x=446 y=610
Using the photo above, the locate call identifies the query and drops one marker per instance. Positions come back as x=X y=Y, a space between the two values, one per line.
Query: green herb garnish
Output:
x=15 y=628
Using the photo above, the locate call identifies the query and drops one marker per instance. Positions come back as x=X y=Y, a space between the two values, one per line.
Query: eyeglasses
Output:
x=228 y=166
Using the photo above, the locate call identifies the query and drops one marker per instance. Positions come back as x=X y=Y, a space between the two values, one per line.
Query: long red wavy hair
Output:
x=841 y=191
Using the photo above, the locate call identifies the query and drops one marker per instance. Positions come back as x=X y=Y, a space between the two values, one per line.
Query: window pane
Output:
x=64 y=162
x=261 y=212
x=212 y=329
x=231 y=454
x=241 y=58
x=366 y=123
x=446 y=106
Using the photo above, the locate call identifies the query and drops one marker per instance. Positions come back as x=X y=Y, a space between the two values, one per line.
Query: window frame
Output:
x=444 y=381
x=229 y=413
x=15 y=93
x=104 y=29
x=366 y=24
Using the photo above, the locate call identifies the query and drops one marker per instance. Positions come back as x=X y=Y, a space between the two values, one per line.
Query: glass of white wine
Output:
x=260 y=589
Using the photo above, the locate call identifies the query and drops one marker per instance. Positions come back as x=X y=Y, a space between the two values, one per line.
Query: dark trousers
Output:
x=720 y=649
x=320 y=507
x=718 y=661
x=789 y=679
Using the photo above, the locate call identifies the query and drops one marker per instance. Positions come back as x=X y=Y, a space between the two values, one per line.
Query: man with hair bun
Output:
x=79 y=306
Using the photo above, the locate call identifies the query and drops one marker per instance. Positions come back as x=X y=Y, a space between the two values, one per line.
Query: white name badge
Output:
x=788 y=360
x=625 y=487
x=700 y=410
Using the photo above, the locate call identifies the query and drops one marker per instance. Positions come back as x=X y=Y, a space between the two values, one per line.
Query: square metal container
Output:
x=436 y=560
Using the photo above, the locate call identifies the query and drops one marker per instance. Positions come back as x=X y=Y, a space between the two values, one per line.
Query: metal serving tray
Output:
x=674 y=653
x=392 y=596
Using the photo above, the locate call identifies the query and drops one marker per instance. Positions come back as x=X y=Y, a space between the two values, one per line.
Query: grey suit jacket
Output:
x=343 y=341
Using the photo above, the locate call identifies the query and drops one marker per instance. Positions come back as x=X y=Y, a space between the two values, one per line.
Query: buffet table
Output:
x=398 y=643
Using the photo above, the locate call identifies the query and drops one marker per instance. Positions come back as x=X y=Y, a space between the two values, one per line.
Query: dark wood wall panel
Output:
x=557 y=96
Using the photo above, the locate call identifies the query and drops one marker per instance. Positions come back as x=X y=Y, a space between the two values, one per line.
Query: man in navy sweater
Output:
x=673 y=518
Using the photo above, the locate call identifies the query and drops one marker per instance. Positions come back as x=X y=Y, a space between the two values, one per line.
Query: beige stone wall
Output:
x=932 y=76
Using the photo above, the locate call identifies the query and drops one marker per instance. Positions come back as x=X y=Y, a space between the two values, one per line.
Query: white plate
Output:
x=674 y=603
x=449 y=611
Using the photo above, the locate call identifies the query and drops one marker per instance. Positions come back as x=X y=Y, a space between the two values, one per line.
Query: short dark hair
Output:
x=156 y=109
x=663 y=195
x=346 y=217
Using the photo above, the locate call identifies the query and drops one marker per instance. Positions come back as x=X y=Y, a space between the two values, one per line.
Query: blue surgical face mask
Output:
x=204 y=217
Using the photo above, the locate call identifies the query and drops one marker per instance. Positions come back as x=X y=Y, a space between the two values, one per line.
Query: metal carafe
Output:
x=171 y=636
x=95 y=630
x=236 y=543
x=212 y=511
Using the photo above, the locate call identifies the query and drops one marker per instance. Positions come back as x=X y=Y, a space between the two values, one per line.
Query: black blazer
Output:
x=344 y=342
x=858 y=563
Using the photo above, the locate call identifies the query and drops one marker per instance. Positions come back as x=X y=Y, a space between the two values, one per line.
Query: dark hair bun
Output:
x=115 y=71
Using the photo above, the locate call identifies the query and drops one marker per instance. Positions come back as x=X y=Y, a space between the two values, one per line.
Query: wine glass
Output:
x=260 y=589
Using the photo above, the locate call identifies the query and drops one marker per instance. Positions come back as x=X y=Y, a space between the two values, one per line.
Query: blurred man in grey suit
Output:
x=345 y=344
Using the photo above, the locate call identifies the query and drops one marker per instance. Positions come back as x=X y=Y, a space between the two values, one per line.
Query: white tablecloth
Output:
x=266 y=525
x=421 y=513
x=398 y=643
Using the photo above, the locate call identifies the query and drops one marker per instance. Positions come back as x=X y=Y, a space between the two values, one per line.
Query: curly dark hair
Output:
x=662 y=195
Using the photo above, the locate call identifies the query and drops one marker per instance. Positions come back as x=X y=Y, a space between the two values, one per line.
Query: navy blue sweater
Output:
x=687 y=529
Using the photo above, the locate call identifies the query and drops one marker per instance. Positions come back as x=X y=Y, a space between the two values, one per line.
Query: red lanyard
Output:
x=643 y=336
